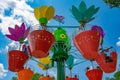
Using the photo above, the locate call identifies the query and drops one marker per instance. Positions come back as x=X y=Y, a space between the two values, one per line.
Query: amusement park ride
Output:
x=47 y=48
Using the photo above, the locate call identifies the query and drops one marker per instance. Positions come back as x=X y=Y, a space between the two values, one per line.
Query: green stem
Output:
x=60 y=70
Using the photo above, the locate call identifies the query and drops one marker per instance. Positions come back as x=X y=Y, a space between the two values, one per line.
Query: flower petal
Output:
x=50 y=12
x=19 y=34
x=26 y=32
x=42 y=11
x=11 y=30
x=17 y=28
x=22 y=27
x=12 y=37
x=37 y=13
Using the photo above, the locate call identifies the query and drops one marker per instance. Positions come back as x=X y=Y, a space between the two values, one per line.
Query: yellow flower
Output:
x=45 y=61
x=62 y=36
x=44 y=13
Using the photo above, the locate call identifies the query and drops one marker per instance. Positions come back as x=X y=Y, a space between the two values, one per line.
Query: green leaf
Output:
x=96 y=10
x=76 y=13
x=82 y=7
x=90 y=19
x=70 y=61
x=89 y=12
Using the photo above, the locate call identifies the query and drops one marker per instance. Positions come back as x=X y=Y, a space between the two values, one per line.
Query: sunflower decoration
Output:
x=62 y=36
x=44 y=14
x=83 y=14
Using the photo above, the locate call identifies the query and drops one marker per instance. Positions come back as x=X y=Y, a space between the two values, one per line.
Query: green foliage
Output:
x=83 y=14
x=113 y=3
x=116 y=76
x=36 y=76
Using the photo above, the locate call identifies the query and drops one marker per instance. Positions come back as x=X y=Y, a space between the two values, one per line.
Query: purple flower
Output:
x=98 y=29
x=18 y=33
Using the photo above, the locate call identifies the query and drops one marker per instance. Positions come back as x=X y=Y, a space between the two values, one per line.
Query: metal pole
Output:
x=60 y=70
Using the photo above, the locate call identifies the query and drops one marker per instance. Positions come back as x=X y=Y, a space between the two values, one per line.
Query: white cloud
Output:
x=53 y=74
x=118 y=43
x=21 y=12
x=2 y=71
x=12 y=46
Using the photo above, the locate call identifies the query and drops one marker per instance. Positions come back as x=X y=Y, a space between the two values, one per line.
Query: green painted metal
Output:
x=60 y=50
x=60 y=70
x=60 y=55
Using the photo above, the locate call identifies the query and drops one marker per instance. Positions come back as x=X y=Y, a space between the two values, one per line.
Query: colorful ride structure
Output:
x=42 y=43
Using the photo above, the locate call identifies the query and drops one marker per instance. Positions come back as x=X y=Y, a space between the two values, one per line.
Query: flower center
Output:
x=63 y=36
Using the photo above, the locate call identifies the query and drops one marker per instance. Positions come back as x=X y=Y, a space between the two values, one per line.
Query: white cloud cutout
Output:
x=118 y=43
x=21 y=11
x=3 y=72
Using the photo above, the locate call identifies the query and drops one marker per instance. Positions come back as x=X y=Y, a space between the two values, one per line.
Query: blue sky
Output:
x=17 y=11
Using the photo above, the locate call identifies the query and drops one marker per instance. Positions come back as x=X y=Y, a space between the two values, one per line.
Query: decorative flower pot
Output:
x=107 y=67
x=87 y=43
x=16 y=60
x=46 y=78
x=40 y=42
x=94 y=74
x=25 y=74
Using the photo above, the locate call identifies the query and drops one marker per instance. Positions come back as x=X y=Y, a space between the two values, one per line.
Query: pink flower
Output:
x=18 y=33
